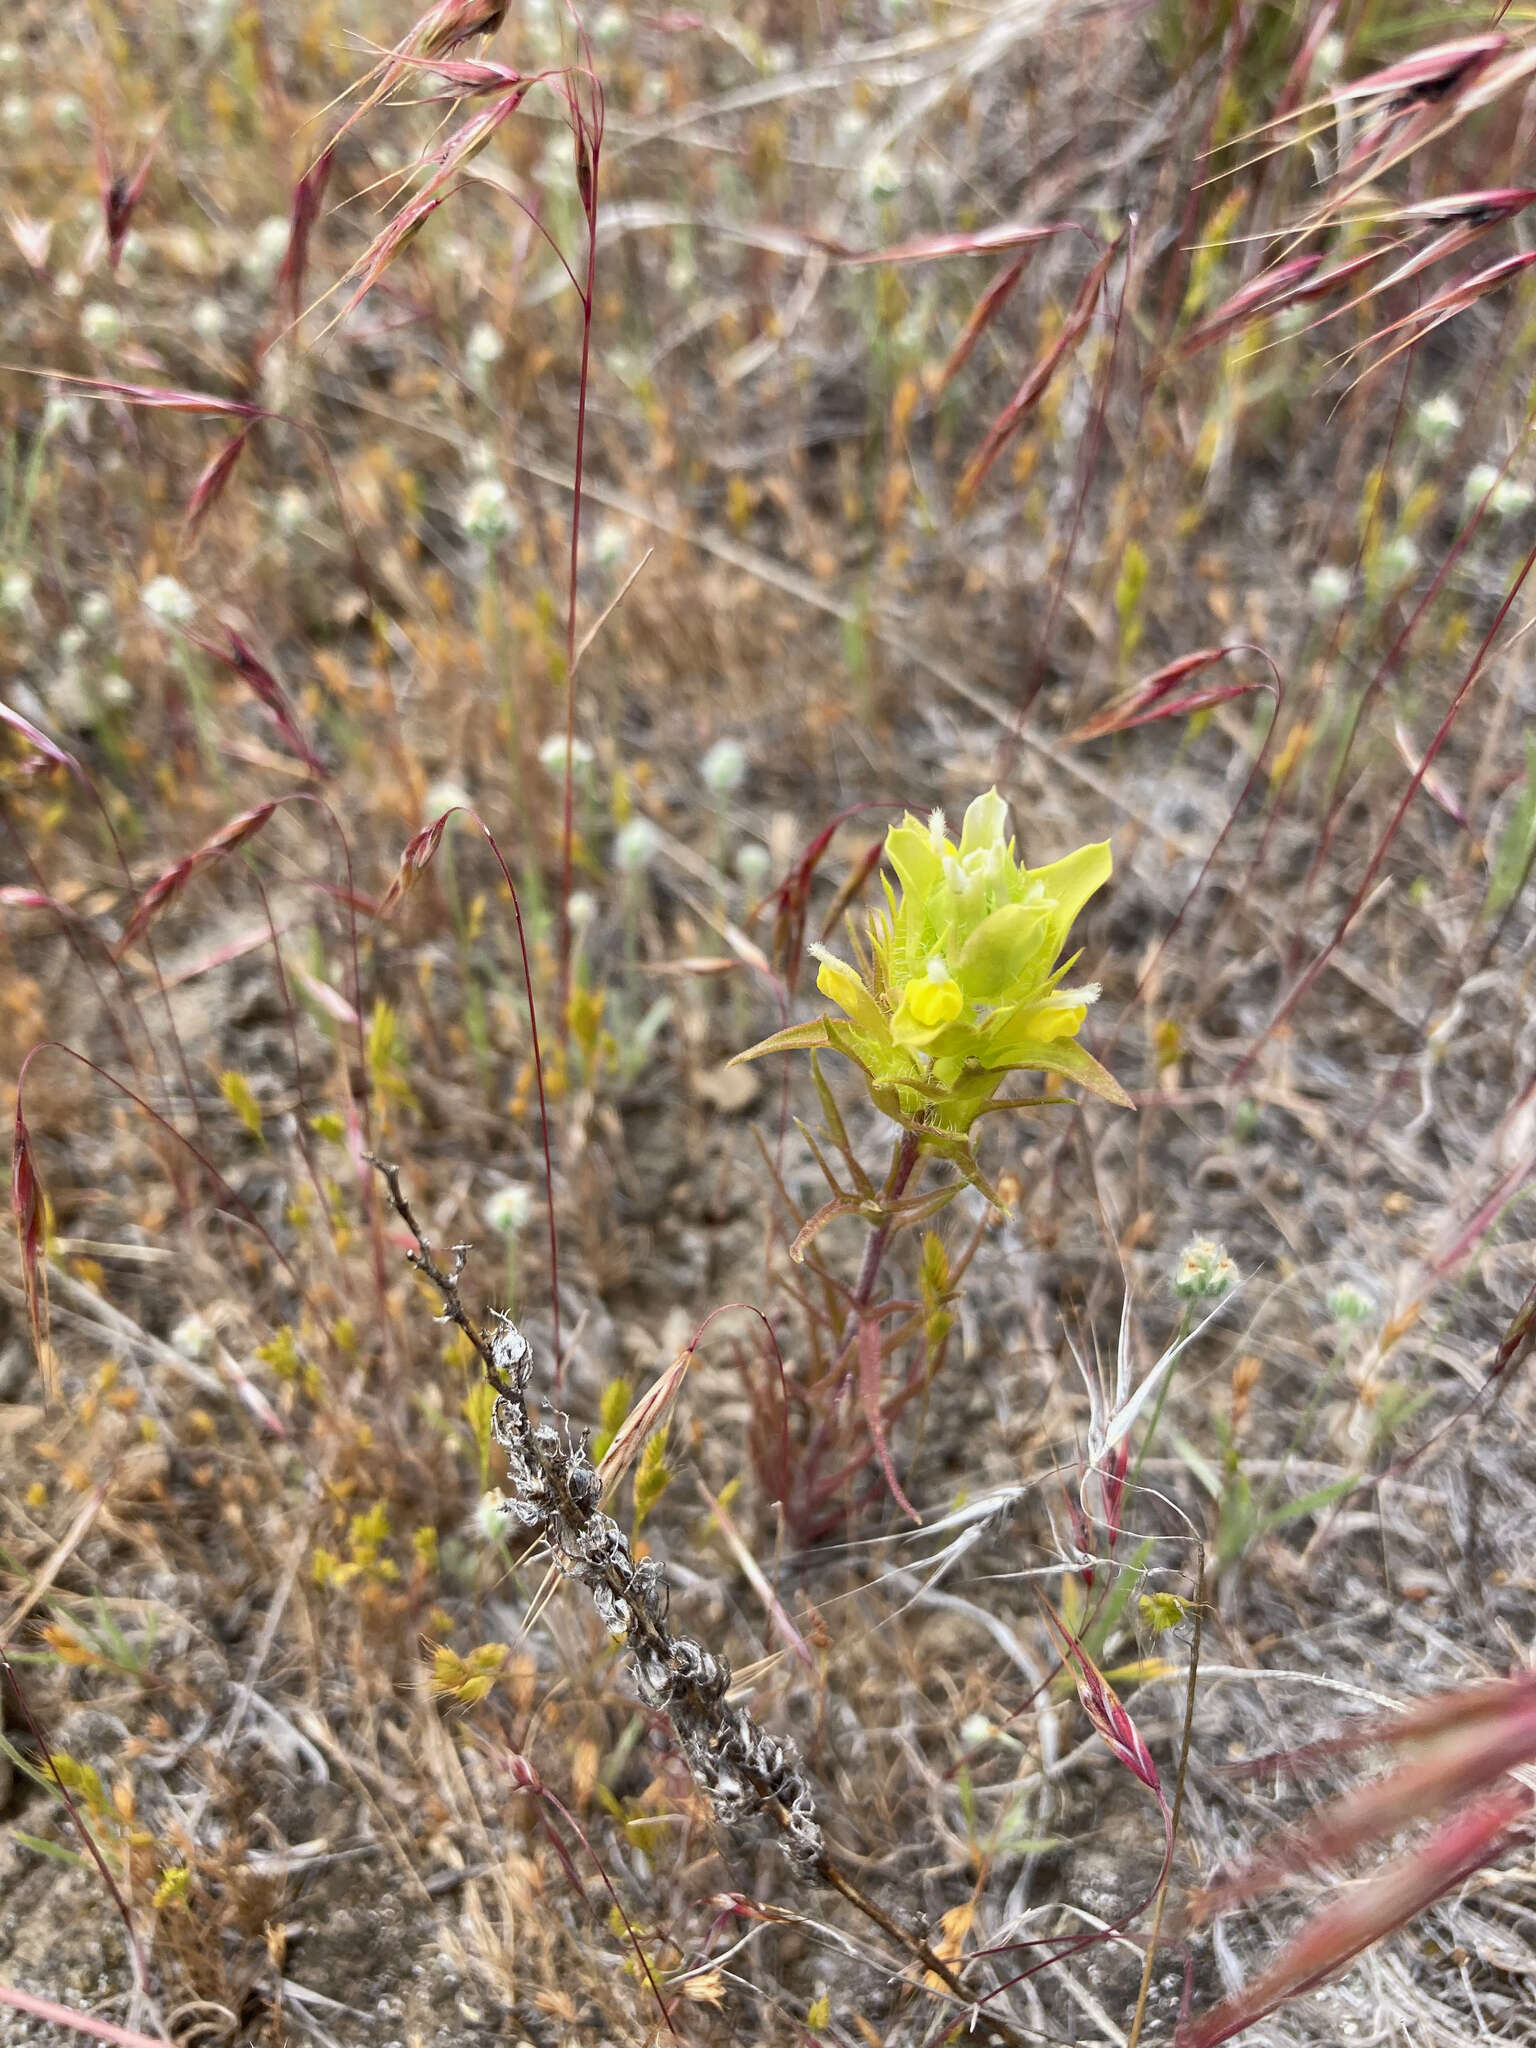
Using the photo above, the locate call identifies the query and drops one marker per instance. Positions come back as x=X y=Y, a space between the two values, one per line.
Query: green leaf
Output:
x=1517 y=844
x=796 y=1038
x=39 y=1847
x=1309 y=1503
x=1066 y=1056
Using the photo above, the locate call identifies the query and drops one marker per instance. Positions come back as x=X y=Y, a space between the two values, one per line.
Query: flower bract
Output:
x=960 y=980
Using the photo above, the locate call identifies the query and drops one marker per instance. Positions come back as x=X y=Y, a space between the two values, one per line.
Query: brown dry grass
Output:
x=227 y=1556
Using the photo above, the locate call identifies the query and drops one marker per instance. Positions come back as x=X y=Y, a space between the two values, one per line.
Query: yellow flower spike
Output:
x=959 y=985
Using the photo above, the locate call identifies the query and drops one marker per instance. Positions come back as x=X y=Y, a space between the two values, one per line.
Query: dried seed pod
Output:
x=512 y=1354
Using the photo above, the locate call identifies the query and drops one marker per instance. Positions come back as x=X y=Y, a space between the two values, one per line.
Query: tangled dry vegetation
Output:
x=1123 y=404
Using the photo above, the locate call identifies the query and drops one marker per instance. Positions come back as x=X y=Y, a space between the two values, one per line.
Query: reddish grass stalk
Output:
x=62 y=758
x=1356 y=1918
x=77 y=2022
x=587 y=129
x=414 y=862
x=1373 y=866
x=527 y=1779
x=45 y=1748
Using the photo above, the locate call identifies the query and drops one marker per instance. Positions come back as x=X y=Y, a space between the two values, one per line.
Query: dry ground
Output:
x=228 y=1553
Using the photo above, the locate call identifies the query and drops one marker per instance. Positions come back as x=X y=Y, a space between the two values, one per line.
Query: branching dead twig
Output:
x=557 y=1493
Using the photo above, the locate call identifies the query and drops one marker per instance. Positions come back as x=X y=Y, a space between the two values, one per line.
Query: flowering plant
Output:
x=959 y=983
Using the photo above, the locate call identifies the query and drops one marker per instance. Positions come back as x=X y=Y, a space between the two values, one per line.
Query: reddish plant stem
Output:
x=902 y=1168
x=587 y=147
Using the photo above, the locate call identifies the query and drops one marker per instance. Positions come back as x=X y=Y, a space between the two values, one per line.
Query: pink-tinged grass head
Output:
x=168 y=886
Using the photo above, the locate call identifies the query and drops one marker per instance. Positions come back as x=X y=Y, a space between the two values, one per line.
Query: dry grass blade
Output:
x=1035 y=384
x=871 y=1355
x=1359 y=1916
x=1469 y=1740
x=168 y=886
x=308 y=197
x=120 y=194
x=1154 y=699
x=65 y=2016
x=210 y=485
x=36 y=737
x=237 y=654
x=30 y=1212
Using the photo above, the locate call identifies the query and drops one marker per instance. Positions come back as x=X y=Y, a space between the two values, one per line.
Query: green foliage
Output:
x=961 y=982
x=478 y=1408
x=1515 y=853
x=652 y=1477
x=612 y=1410
x=1129 y=590
x=238 y=1093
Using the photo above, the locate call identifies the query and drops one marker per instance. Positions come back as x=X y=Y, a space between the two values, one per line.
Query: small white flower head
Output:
x=16 y=113
x=71 y=641
x=1481 y=479
x=265 y=247
x=1328 y=591
x=68 y=111
x=486 y=513
x=635 y=846
x=608 y=543
x=10 y=55
x=1350 y=1305
x=290 y=509
x=15 y=590
x=883 y=179
x=1205 y=1271
x=724 y=767
x=1329 y=60
x=611 y=27
x=484 y=344
x=975 y=1730
x=445 y=796
x=1396 y=561
x=115 y=691
x=66 y=410
x=552 y=757
x=581 y=909
x=1437 y=420
x=193 y=1337
x=510 y=1208
x=753 y=864
x=1512 y=495
x=491 y=1515
x=69 y=700
x=96 y=611
x=101 y=324
x=209 y=321
x=168 y=600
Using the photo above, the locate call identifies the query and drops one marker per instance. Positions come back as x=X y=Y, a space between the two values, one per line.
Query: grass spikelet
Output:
x=166 y=887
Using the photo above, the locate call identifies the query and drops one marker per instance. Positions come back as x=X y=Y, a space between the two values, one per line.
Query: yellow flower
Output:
x=960 y=983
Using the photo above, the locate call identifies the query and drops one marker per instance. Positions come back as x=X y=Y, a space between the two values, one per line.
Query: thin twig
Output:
x=1178 y=1806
